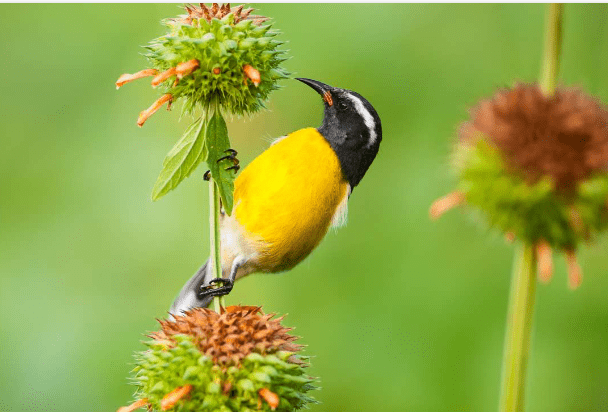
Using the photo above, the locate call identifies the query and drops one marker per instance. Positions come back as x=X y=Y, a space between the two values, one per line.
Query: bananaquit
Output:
x=286 y=199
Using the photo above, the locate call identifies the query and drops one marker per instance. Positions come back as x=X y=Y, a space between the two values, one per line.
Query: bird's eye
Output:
x=342 y=106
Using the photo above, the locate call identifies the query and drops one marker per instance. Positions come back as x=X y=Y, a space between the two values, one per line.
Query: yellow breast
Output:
x=287 y=197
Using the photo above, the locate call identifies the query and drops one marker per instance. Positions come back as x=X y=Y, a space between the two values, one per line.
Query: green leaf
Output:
x=182 y=159
x=217 y=142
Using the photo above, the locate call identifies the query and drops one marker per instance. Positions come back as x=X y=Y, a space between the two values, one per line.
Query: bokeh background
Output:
x=399 y=312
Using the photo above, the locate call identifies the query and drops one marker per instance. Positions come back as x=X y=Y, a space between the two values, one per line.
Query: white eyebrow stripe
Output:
x=368 y=119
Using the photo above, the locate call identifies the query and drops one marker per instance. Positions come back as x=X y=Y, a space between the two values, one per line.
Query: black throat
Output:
x=352 y=146
x=352 y=127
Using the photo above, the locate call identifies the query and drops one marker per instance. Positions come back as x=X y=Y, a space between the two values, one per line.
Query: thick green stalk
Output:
x=553 y=42
x=215 y=205
x=214 y=223
x=519 y=326
x=523 y=283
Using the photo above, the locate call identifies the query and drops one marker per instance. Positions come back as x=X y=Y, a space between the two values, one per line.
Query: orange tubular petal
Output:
x=143 y=116
x=577 y=222
x=161 y=77
x=252 y=74
x=126 y=78
x=444 y=204
x=271 y=398
x=185 y=68
x=133 y=406
x=575 y=274
x=545 y=261
x=173 y=397
x=226 y=387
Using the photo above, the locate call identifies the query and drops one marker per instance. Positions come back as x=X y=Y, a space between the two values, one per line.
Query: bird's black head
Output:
x=351 y=126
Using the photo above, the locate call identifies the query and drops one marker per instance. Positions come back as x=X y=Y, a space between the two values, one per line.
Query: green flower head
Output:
x=214 y=55
x=536 y=168
x=240 y=360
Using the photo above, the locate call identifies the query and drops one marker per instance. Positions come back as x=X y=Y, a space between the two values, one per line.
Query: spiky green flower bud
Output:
x=240 y=360
x=219 y=59
x=536 y=167
x=217 y=55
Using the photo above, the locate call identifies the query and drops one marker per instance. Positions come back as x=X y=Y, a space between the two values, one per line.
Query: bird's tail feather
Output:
x=188 y=297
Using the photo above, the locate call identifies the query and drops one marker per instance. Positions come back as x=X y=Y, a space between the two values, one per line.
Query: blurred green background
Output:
x=399 y=312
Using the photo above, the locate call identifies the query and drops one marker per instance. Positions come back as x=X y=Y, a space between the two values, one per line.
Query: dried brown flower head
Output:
x=536 y=167
x=229 y=337
x=238 y=360
x=564 y=136
x=218 y=12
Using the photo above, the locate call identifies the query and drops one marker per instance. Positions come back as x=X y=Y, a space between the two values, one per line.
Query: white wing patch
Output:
x=341 y=215
x=367 y=118
x=277 y=140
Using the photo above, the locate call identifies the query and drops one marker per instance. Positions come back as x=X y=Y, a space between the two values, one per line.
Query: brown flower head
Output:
x=564 y=136
x=239 y=360
x=229 y=337
x=536 y=167
x=215 y=11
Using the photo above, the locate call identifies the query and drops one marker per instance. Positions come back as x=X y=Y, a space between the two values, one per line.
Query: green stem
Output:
x=214 y=223
x=523 y=283
x=553 y=42
x=519 y=326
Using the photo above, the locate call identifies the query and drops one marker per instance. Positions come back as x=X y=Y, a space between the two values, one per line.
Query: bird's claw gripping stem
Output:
x=208 y=290
x=231 y=156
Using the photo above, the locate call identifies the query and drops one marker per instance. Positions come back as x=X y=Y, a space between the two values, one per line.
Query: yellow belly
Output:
x=287 y=197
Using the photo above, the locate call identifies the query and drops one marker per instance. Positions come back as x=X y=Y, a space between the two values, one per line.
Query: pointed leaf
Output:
x=217 y=142
x=182 y=159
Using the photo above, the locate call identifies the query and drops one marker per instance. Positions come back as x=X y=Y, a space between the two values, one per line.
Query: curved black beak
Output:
x=321 y=88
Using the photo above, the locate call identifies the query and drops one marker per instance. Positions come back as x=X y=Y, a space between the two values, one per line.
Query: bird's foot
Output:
x=209 y=290
x=232 y=157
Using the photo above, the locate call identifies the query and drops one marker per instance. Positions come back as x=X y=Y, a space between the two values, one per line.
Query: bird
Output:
x=288 y=197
